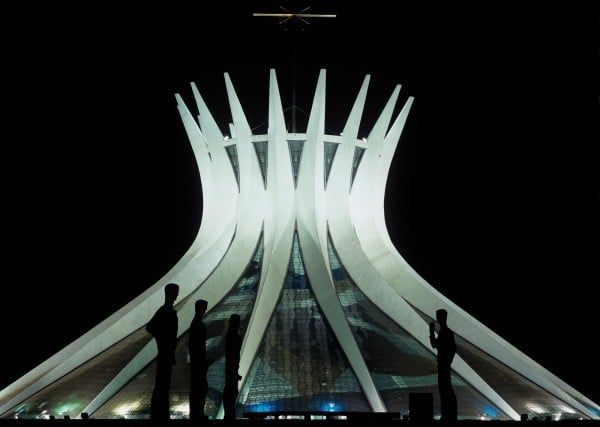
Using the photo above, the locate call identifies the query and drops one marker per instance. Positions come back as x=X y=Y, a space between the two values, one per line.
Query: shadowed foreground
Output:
x=358 y=421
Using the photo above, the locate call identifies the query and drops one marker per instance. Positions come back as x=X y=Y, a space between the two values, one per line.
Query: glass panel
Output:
x=358 y=155
x=233 y=158
x=133 y=401
x=398 y=363
x=330 y=149
x=261 y=153
x=300 y=365
x=295 y=156
x=72 y=393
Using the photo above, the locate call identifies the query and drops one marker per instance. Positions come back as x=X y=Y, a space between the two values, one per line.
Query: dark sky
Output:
x=493 y=196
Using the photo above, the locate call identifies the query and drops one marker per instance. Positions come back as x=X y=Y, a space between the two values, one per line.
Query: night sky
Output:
x=493 y=196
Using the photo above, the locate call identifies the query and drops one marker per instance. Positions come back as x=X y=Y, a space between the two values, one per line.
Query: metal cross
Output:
x=301 y=15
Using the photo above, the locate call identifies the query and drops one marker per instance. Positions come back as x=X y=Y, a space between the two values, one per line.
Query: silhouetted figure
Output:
x=163 y=327
x=446 y=349
x=198 y=362
x=233 y=345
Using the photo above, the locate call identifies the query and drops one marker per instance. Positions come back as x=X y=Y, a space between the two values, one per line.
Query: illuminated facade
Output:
x=293 y=239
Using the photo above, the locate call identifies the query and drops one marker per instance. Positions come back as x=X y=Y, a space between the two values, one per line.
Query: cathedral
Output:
x=293 y=238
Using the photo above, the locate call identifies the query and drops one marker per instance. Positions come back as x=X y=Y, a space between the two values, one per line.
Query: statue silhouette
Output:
x=446 y=349
x=163 y=327
x=233 y=345
x=198 y=362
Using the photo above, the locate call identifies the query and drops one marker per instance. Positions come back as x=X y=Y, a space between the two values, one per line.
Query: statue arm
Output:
x=432 y=337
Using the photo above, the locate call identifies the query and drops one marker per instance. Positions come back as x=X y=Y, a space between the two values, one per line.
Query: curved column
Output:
x=370 y=227
x=312 y=236
x=278 y=228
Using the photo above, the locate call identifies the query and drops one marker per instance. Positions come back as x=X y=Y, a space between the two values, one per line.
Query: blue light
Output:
x=490 y=411
x=263 y=407
x=593 y=411
x=331 y=407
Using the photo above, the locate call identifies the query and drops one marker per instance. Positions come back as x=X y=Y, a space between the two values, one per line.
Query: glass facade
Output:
x=300 y=365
